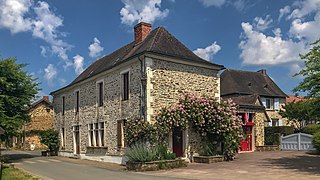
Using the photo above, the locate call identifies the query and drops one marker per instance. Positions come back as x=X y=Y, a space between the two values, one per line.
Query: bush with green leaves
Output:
x=311 y=128
x=50 y=138
x=316 y=141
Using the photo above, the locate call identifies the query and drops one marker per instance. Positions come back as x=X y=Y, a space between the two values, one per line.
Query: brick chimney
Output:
x=263 y=71
x=46 y=98
x=141 y=31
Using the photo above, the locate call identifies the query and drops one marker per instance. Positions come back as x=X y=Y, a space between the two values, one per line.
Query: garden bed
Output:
x=155 y=165
x=207 y=159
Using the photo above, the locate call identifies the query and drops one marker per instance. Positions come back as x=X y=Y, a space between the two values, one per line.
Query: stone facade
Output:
x=166 y=81
x=259 y=121
x=113 y=110
x=41 y=119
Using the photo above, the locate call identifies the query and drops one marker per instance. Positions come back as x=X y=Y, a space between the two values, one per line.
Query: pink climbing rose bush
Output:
x=208 y=117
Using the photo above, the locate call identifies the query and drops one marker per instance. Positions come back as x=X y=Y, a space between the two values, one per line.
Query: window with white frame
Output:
x=96 y=134
x=269 y=103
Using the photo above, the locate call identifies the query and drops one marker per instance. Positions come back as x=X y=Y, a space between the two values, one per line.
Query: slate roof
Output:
x=237 y=82
x=159 y=41
x=1 y=131
x=248 y=101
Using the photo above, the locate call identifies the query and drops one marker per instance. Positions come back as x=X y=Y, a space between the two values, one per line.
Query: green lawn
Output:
x=11 y=173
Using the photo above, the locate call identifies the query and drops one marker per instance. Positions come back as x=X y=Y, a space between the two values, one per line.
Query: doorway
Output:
x=177 y=141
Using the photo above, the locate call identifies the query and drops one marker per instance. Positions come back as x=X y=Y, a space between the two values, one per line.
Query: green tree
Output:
x=298 y=112
x=311 y=73
x=17 y=90
x=50 y=138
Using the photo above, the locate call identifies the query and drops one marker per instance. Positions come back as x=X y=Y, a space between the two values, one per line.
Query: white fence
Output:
x=297 y=142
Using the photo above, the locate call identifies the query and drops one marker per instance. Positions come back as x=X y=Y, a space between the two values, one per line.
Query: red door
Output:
x=246 y=140
x=177 y=141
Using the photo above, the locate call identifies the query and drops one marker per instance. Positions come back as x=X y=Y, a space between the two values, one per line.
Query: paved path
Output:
x=62 y=168
x=280 y=165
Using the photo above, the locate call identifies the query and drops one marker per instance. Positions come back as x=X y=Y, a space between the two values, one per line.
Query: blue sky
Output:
x=59 y=39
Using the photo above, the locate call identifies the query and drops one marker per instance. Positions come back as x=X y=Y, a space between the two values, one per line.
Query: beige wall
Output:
x=41 y=119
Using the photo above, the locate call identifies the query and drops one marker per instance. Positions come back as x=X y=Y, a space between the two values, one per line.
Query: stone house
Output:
x=259 y=100
x=41 y=114
x=135 y=81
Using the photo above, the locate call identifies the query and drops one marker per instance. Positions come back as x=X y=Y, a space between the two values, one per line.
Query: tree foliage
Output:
x=17 y=90
x=50 y=138
x=311 y=73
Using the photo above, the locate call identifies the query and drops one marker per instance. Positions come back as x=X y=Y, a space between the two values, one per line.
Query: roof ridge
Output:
x=153 y=40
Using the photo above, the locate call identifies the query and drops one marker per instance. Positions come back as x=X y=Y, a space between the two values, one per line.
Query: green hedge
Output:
x=311 y=128
x=316 y=141
x=272 y=134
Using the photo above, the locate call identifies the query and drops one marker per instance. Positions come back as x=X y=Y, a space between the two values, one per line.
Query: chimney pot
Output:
x=141 y=31
x=263 y=71
x=46 y=98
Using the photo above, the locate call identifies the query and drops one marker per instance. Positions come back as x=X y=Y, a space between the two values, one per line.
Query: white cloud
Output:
x=50 y=73
x=259 y=49
x=283 y=11
x=306 y=30
x=304 y=8
x=43 y=51
x=78 y=64
x=12 y=14
x=37 y=18
x=95 y=48
x=217 y=3
x=208 y=52
x=62 y=82
x=262 y=24
x=142 y=10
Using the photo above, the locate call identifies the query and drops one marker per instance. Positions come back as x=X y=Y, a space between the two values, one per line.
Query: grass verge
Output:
x=11 y=173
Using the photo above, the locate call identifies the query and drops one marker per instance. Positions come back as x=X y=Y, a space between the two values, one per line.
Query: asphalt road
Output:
x=57 y=168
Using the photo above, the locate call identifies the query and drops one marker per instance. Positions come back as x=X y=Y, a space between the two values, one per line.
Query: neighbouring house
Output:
x=41 y=114
x=295 y=98
x=259 y=100
x=136 y=80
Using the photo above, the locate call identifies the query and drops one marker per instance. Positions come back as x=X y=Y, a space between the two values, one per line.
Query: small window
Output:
x=275 y=122
x=91 y=140
x=63 y=105
x=100 y=95
x=125 y=92
x=77 y=102
x=269 y=103
x=121 y=133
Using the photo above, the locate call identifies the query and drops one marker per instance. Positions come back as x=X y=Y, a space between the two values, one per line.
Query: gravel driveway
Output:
x=256 y=165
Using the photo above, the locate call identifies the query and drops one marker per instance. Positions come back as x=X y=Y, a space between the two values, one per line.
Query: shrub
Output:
x=316 y=141
x=139 y=131
x=164 y=154
x=272 y=134
x=141 y=153
x=50 y=138
x=311 y=128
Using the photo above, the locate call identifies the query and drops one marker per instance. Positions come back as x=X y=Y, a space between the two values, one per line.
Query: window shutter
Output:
x=276 y=104
x=270 y=124
x=280 y=122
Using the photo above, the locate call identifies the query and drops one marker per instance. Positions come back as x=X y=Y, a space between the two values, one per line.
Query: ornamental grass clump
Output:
x=141 y=153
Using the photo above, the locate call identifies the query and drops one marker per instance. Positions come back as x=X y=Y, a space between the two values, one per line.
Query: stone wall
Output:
x=169 y=81
x=113 y=110
x=259 y=121
x=41 y=119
